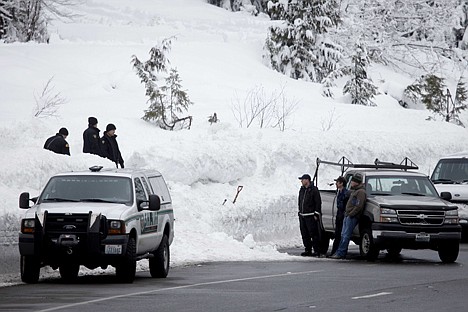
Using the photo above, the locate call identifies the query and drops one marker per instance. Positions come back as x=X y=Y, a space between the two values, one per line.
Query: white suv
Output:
x=451 y=175
x=97 y=218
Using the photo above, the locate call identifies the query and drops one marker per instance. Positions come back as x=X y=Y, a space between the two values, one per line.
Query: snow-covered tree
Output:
x=360 y=86
x=301 y=48
x=27 y=20
x=253 y=6
x=432 y=91
x=167 y=99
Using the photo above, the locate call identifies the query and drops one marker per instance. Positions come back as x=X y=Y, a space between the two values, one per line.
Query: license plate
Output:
x=422 y=237
x=113 y=249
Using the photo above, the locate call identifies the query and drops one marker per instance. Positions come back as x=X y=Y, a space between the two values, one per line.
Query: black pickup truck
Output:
x=403 y=210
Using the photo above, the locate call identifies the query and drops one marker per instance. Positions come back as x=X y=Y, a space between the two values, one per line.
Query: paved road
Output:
x=416 y=281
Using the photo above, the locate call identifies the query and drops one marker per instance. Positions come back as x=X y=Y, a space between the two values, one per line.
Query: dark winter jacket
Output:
x=110 y=149
x=341 y=200
x=91 y=141
x=310 y=202
x=357 y=201
x=57 y=144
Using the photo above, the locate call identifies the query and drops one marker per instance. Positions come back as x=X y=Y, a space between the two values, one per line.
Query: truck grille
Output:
x=421 y=217
x=62 y=224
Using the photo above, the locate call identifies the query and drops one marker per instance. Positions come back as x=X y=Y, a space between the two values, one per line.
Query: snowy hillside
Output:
x=219 y=57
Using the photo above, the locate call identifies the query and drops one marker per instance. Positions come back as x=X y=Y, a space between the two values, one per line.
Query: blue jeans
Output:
x=349 y=224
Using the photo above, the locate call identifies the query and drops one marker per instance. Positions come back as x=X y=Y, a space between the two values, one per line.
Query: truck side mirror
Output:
x=24 y=201
x=154 y=202
x=446 y=196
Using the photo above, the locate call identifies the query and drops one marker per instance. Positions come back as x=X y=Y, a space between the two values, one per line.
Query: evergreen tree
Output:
x=167 y=100
x=301 y=48
x=360 y=86
x=434 y=94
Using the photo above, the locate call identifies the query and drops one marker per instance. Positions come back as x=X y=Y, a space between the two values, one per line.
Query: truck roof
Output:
x=127 y=172
x=456 y=155
x=386 y=172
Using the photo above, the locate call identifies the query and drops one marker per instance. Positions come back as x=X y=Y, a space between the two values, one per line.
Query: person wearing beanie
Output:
x=353 y=210
x=57 y=143
x=110 y=147
x=310 y=208
x=91 y=137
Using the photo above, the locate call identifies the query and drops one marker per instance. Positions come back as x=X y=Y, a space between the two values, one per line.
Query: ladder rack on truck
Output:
x=345 y=164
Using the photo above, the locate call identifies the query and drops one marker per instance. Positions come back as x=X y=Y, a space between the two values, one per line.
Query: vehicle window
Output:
x=395 y=185
x=88 y=189
x=139 y=190
x=160 y=189
x=147 y=188
x=451 y=170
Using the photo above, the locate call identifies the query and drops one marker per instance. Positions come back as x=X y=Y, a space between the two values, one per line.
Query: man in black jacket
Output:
x=310 y=208
x=57 y=143
x=109 y=147
x=91 y=137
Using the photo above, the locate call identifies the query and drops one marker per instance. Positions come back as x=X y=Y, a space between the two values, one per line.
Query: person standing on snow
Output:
x=310 y=207
x=57 y=143
x=342 y=195
x=91 y=137
x=109 y=147
x=354 y=209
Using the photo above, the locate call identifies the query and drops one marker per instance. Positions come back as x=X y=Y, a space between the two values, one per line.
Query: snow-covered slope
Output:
x=219 y=57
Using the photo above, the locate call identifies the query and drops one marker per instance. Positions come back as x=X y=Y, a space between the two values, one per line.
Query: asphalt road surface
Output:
x=416 y=281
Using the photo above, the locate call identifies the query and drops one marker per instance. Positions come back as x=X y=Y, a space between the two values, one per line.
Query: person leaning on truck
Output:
x=342 y=196
x=354 y=209
x=310 y=207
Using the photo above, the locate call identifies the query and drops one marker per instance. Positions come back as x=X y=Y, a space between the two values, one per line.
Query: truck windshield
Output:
x=88 y=189
x=451 y=171
x=395 y=185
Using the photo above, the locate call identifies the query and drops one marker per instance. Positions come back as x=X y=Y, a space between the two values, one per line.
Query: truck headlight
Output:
x=27 y=226
x=451 y=217
x=116 y=227
x=388 y=215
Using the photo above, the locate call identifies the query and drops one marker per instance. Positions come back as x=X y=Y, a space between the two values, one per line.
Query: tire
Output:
x=159 y=263
x=30 y=268
x=448 y=252
x=126 y=269
x=367 y=247
x=69 y=272
x=394 y=251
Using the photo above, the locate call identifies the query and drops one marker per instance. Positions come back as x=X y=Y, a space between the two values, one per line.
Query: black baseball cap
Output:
x=305 y=176
x=341 y=180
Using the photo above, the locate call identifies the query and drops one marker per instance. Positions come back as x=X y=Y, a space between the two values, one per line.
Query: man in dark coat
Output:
x=310 y=207
x=91 y=141
x=57 y=143
x=109 y=147
x=342 y=196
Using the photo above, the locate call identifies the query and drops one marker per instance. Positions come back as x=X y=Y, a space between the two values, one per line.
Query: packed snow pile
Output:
x=219 y=57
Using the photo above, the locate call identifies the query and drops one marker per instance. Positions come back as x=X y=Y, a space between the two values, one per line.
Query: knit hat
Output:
x=357 y=177
x=63 y=131
x=110 y=127
x=92 y=121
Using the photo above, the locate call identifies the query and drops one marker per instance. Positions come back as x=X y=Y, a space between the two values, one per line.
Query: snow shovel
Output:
x=239 y=188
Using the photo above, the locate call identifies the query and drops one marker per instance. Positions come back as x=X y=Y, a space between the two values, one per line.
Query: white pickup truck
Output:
x=403 y=210
x=451 y=175
x=97 y=218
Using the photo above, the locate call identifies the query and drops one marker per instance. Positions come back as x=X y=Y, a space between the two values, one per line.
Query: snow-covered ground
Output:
x=219 y=57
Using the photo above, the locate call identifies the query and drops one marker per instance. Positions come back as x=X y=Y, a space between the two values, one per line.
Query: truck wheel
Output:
x=126 y=269
x=69 y=272
x=367 y=247
x=159 y=263
x=448 y=252
x=30 y=268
